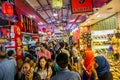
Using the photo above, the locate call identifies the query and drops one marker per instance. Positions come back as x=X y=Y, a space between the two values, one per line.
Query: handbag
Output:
x=85 y=75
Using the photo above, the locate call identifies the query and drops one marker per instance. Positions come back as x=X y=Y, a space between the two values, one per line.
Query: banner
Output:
x=81 y=6
x=18 y=41
x=76 y=35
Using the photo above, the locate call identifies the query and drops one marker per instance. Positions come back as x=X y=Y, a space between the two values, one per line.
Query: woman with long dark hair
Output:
x=43 y=69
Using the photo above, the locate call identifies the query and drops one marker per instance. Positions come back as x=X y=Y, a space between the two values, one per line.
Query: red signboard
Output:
x=81 y=6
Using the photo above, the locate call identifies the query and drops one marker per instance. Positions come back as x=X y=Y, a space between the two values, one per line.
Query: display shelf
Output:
x=101 y=40
x=101 y=46
x=115 y=69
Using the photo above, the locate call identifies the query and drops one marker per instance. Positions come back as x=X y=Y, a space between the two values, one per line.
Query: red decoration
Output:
x=43 y=29
x=36 y=38
x=18 y=41
x=81 y=6
x=4 y=32
x=76 y=34
x=7 y=9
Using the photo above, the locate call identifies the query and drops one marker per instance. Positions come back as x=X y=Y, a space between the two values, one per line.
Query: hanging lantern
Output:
x=7 y=9
x=57 y=4
x=60 y=27
x=43 y=29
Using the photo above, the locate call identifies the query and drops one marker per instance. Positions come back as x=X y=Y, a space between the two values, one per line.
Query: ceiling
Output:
x=43 y=13
x=64 y=16
x=46 y=12
x=106 y=11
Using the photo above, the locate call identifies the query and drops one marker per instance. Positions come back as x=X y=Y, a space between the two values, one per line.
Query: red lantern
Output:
x=7 y=9
x=44 y=29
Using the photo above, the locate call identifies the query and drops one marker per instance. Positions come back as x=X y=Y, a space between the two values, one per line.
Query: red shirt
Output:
x=47 y=54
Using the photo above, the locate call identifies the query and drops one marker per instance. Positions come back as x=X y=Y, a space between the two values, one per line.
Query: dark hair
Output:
x=74 y=44
x=10 y=53
x=51 y=43
x=2 y=55
x=66 y=44
x=62 y=60
x=44 y=45
x=26 y=63
x=49 y=60
x=39 y=66
x=29 y=56
x=61 y=44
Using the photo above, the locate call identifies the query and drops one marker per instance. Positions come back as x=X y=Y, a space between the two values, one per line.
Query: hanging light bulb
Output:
x=55 y=13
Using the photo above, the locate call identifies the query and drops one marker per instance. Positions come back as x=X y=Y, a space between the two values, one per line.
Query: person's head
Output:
x=51 y=44
x=37 y=44
x=82 y=52
x=32 y=62
x=95 y=65
x=100 y=62
x=26 y=68
x=62 y=45
x=42 y=63
x=42 y=46
x=50 y=62
x=11 y=53
x=2 y=55
x=28 y=58
x=75 y=45
x=62 y=60
x=66 y=45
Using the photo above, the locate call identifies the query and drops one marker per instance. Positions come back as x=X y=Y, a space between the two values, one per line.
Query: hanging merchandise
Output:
x=31 y=26
x=24 y=23
x=57 y=4
x=85 y=37
x=27 y=25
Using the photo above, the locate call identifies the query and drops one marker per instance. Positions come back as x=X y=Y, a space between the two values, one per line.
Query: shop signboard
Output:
x=81 y=6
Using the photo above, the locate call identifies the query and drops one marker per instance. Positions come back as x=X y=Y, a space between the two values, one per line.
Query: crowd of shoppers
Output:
x=55 y=61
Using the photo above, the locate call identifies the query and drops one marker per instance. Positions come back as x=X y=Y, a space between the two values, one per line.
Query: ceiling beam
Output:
x=62 y=14
x=44 y=10
x=67 y=14
x=51 y=9
x=75 y=21
x=34 y=10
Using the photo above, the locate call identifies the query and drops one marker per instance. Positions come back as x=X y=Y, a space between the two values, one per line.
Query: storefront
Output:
x=101 y=34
